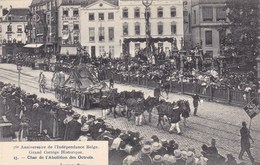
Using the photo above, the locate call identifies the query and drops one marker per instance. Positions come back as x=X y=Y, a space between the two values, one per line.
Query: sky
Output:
x=15 y=3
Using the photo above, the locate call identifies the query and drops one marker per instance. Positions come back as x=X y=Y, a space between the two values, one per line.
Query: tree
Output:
x=243 y=38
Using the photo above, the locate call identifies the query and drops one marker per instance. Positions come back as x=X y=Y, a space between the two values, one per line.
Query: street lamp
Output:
x=19 y=65
x=147 y=4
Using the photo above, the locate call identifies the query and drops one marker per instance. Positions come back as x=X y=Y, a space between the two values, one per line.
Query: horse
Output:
x=149 y=104
x=163 y=110
x=184 y=107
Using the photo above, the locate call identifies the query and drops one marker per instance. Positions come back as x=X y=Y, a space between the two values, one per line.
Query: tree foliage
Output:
x=243 y=38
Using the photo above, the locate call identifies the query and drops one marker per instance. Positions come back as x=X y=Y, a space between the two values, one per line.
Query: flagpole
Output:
x=250 y=124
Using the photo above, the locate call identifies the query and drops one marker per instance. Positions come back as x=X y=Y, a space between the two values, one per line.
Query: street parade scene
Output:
x=187 y=94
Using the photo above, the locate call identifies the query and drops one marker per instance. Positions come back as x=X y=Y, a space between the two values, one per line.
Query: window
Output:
x=9 y=28
x=19 y=29
x=101 y=33
x=160 y=12
x=111 y=16
x=137 y=28
x=19 y=38
x=101 y=16
x=76 y=38
x=173 y=28
x=9 y=18
x=101 y=50
x=194 y=16
x=92 y=34
x=125 y=13
x=112 y=51
x=125 y=29
x=173 y=12
x=207 y=13
x=65 y=13
x=208 y=37
x=111 y=35
x=221 y=14
x=91 y=16
x=137 y=13
x=160 y=28
x=65 y=27
x=76 y=26
x=75 y=13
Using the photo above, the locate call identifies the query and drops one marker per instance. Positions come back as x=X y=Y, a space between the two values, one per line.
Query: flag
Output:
x=252 y=109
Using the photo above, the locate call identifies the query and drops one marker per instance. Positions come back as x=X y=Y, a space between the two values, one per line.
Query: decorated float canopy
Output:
x=83 y=78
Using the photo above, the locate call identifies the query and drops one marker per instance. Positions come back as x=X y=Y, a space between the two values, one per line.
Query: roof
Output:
x=89 y=2
x=36 y=2
x=17 y=14
x=71 y=2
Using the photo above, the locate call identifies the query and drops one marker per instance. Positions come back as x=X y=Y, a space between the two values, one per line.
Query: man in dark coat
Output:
x=245 y=143
x=196 y=100
x=73 y=128
x=157 y=92
x=117 y=156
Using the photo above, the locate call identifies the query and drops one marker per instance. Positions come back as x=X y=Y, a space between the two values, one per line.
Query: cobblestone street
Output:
x=215 y=120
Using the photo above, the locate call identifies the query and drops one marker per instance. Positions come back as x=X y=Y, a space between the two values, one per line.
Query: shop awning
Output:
x=68 y=51
x=33 y=45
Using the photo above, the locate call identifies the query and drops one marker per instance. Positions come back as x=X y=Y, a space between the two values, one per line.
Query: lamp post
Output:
x=147 y=4
x=19 y=65
x=182 y=54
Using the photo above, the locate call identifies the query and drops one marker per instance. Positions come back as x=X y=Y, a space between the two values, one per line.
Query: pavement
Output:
x=214 y=120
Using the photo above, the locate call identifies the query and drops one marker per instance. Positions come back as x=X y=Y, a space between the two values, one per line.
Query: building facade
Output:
x=68 y=26
x=208 y=17
x=166 y=21
x=42 y=24
x=12 y=30
x=100 y=30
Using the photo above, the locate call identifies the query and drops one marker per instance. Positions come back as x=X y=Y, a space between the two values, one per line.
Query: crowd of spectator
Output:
x=25 y=111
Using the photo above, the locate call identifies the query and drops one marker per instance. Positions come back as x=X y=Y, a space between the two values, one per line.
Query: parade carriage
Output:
x=82 y=89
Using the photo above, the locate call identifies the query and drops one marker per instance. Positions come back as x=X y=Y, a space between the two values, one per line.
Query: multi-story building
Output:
x=68 y=26
x=208 y=17
x=12 y=30
x=42 y=28
x=166 y=21
x=100 y=28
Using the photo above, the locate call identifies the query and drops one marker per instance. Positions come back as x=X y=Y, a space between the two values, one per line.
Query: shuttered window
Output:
x=207 y=13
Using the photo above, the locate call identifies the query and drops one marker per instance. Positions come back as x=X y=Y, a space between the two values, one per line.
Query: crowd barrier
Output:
x=211 y=93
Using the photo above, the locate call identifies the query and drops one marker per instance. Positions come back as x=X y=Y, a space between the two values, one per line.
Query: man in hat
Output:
x=175 y=119
x=245 y=142
x=104 y=106
x=157 y=92
x=196 y=99
x=73 y=128
x=139 y=112
x=178 y=157
x=157 y=160
x=145 y=155
x=156 y=149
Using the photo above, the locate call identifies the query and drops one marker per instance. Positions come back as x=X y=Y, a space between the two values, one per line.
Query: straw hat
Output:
x=76 y=115
x=146 y=149
x=177 y=154
x=157 y=159
x=156 y=146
